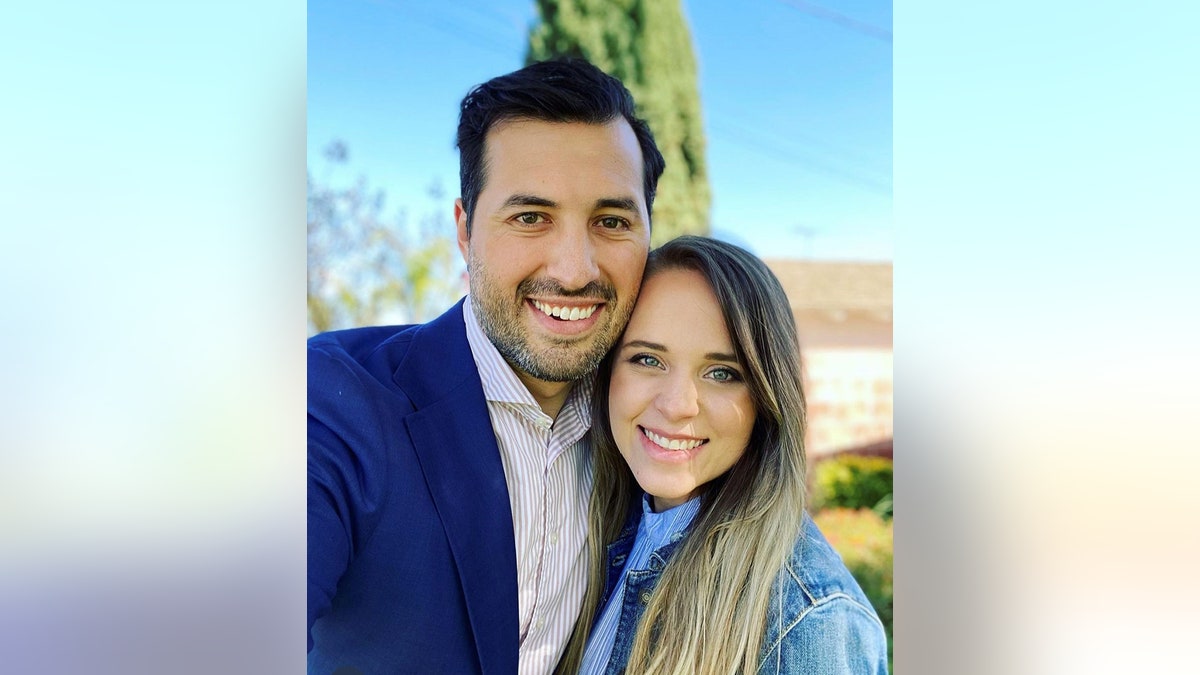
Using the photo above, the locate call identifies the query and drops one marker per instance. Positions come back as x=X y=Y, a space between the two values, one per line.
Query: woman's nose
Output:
x=679 y=398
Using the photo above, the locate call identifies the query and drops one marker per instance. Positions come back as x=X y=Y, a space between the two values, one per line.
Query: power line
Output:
x=826 y=14
x=481 y=37
x=770 y=147
x=797 y=139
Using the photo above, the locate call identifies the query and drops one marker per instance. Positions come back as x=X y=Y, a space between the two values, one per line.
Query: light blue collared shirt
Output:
x=654 y=531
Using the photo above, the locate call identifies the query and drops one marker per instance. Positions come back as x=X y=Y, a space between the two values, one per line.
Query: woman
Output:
x=701 y=557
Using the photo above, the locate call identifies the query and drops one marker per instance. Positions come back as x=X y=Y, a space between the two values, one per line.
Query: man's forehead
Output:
x=525 y=159
x=624 y=134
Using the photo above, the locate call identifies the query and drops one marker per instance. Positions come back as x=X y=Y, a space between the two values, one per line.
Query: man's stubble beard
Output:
x=563 y=359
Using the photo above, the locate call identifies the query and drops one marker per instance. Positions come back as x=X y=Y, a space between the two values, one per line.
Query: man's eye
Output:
x=529 y=218
x=613 y=223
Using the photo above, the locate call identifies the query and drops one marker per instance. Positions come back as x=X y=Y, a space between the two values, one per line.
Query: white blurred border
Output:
x=1046 y=384
x=151 y=189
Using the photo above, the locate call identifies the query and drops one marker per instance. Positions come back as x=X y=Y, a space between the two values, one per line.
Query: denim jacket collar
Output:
x=619 y=550
x=820 y=621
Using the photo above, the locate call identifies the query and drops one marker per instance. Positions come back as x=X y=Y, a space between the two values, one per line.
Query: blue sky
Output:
x=797 y=109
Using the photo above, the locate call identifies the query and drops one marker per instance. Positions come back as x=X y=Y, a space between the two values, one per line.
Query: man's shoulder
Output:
x=411 y=366
x=363 y=383
x=359 y=345
x=381 y=350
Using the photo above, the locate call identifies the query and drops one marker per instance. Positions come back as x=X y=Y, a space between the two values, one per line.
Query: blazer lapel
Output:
x=456 y=446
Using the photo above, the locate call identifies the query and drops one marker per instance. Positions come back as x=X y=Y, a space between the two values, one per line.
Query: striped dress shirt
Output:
x=549 y=481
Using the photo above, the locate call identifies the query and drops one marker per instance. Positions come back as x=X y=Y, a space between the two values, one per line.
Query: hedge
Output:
x=853 y=482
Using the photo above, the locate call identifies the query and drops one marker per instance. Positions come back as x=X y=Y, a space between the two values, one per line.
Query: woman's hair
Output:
x=708 y=613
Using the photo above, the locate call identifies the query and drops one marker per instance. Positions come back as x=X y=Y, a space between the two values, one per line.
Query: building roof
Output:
x=836 y=286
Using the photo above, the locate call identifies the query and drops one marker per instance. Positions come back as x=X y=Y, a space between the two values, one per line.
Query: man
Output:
x=447 y=474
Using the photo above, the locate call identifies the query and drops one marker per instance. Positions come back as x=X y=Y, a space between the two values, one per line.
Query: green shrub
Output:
x=853 y=482
x=864 y=540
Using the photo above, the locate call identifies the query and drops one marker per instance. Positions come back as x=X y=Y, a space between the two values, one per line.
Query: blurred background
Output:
x=775 y=118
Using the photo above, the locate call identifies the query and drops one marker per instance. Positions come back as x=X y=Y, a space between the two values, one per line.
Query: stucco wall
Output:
x=849 y=395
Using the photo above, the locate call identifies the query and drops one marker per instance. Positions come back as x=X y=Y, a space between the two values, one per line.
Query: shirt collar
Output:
x=669 y=525
x=501 y=384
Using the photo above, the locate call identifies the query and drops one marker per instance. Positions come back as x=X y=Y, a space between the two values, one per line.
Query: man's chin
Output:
x=557 y=364
x=558 y=373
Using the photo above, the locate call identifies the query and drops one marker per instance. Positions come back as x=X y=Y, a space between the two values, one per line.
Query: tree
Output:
x=648 y=46
x=365 y=270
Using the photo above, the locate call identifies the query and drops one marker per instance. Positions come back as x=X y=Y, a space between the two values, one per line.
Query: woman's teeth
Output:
x=672 y=444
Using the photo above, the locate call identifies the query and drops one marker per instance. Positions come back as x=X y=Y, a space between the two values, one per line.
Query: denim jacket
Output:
x=820 y=622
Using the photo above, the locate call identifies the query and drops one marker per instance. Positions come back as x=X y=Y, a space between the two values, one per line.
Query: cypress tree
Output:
x=648 y=46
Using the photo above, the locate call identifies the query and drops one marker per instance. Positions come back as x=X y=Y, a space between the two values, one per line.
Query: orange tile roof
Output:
x=832 y=286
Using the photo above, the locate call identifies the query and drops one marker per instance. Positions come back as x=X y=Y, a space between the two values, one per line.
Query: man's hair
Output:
x=563 y=90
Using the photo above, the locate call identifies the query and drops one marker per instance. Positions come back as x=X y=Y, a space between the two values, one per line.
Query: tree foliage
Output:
x=648 y=46
x=365 y=269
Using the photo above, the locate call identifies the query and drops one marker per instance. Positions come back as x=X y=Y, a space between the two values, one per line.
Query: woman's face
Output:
x=680 y=408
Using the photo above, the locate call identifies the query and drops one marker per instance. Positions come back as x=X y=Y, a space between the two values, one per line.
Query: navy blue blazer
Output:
x=411 y=560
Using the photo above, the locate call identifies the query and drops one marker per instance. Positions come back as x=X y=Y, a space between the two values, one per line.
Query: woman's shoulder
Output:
x=820 y=621
x=815 y=578
x=816 y=571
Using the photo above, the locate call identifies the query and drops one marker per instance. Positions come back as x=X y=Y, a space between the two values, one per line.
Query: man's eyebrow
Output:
x=528 y=200
x=623 y=203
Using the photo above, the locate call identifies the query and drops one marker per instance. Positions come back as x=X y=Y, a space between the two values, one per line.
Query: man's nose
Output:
x=572 y=262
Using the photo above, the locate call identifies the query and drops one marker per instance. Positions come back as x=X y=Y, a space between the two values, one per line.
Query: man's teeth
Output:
x=565 y=313
x=672 y=444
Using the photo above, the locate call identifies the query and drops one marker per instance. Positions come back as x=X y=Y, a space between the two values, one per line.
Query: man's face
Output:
x=558 y=243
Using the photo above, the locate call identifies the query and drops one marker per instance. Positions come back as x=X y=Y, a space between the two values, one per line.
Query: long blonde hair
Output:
x=708 y=613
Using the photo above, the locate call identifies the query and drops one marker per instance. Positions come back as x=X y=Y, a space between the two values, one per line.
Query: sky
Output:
x=796 y=98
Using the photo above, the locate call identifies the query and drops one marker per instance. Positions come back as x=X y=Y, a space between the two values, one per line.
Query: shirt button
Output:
x=645 y=597
x=553 y=538
x=540 y=624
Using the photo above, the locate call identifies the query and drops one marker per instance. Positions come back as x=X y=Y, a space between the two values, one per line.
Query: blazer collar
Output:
x=452 y=435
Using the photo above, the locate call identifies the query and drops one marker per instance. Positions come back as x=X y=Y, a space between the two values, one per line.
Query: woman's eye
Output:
x=725 y=375
x=647 y=360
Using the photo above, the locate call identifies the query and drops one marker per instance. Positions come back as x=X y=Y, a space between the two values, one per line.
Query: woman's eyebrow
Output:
x=711 y=356
x=645 y=345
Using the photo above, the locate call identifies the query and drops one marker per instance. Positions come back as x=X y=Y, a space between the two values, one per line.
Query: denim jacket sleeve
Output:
x=820 y=621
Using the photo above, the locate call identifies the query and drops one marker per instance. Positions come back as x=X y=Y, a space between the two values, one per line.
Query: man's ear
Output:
x=460 y=217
